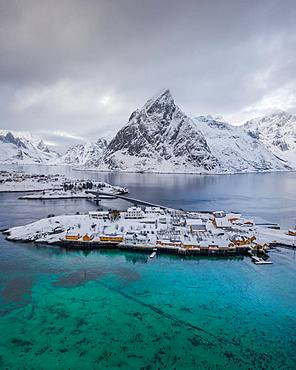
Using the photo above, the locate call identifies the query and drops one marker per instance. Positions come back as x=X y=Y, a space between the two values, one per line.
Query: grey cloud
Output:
x=59 y=59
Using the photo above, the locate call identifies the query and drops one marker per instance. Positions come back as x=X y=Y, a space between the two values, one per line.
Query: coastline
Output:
x=122 y=171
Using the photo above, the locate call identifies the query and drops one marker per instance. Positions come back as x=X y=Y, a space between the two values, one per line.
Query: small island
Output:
x=47 y=187
x=156 y=230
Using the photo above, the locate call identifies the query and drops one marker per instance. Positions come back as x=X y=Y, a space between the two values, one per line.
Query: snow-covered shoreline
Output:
x=60 y=194
x=85 y=169
x=154 y=228
x=53 y=186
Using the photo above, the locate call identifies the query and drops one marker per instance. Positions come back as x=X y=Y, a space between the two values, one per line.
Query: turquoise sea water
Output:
x=108 y=310
x=73 y=310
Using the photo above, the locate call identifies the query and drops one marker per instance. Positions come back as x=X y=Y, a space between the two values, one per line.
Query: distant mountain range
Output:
x=159 y=137
x=19 y=148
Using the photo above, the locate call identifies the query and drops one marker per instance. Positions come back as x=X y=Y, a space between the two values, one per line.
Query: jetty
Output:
x=134 y=201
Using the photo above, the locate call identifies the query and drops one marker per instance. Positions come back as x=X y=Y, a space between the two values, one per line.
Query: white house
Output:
x=219 y=214
x=134 y=212
x=100 y=215
x=155 y=210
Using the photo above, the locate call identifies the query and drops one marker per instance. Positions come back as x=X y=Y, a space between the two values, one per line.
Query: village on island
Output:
x=46 y=187
x=143 y=227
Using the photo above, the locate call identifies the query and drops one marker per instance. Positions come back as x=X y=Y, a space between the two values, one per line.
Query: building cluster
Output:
x=153 y=227
x=18 y=177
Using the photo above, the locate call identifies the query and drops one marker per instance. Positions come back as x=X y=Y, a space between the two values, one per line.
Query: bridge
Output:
x=124 y=197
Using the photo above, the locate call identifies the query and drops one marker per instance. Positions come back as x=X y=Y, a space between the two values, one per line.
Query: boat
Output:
x=260 y=261
x=153 y=254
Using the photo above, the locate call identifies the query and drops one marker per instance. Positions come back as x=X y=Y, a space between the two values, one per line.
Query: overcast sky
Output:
x=73 y=71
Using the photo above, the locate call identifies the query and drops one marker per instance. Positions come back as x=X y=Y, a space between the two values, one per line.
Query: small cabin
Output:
x=72 y=237
x=86 y=238
x=111 y=238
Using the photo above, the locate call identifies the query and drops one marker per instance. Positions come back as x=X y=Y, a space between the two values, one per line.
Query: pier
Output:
x=151 y=249
x=128 y=199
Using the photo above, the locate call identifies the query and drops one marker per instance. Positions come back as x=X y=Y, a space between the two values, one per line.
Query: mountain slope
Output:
x=88 y=154
x=277 y=132
x=160 y=137
x=24 y=149
x=236 y=150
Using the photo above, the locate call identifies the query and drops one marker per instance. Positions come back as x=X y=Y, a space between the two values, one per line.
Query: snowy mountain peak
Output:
x=160 y=137
x=277 y=131
x=236 y=150
x=24 y=149
x=159 y=102
x=41 y=146
x=9 y=138
x=88 y=154
x=102 y=143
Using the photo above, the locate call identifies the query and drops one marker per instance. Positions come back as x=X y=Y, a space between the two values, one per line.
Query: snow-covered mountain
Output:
x=277 y=132
x=160 y=137
x=88 y=154
x=20 y=148
x=235 y=149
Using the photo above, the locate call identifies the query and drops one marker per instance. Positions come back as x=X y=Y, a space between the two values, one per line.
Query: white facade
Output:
x=156 y=210
x=99 y=215
x=134 y=212
x=219 y=214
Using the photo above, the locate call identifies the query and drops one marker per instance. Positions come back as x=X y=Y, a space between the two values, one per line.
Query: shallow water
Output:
x=77 y=310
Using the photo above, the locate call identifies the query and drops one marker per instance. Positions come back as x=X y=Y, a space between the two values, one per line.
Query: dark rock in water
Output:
x=78 y=278
x=16 y=289
x=194 y=341
x=21 y=342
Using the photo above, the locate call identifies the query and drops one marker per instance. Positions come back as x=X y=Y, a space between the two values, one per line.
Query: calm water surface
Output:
x=97 y=310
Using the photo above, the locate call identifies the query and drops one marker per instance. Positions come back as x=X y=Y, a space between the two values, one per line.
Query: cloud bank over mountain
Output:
x=72 y=69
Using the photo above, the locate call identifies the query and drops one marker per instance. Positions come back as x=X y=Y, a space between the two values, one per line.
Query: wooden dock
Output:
x=179 y=250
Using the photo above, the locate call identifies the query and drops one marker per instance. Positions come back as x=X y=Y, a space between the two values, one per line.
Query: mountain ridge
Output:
x=160 y=137
x=277 y=132
x=24 y=149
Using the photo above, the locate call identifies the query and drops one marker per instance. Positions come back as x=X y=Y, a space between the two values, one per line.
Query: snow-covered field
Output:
x=266 y=235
